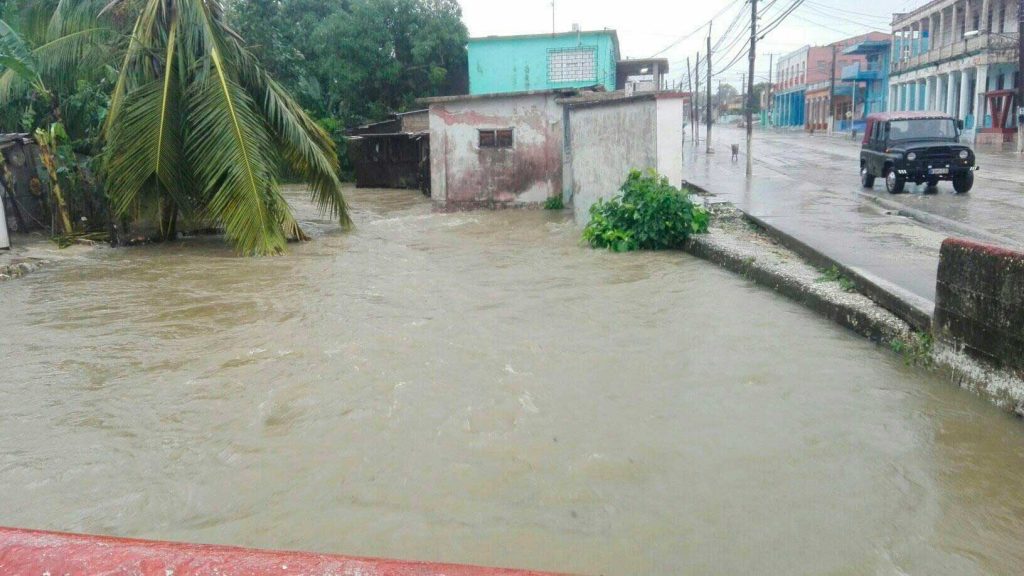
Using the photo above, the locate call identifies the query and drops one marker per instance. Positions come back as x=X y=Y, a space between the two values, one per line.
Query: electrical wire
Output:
x=689 y=35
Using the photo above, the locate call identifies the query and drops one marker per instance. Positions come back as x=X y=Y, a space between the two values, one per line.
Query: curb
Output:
x=910 y=308
x=39 y=552
x=847 y=316
x=941 y=222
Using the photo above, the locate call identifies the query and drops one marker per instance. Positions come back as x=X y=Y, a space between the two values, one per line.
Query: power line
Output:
x=689 y=35
x=826 y=14
x=834 y=9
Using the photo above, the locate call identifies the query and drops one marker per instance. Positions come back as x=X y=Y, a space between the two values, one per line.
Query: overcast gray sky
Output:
x=647 y=27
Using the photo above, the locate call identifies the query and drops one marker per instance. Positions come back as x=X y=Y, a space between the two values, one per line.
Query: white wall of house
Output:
x=670 y=139
x=609 y=139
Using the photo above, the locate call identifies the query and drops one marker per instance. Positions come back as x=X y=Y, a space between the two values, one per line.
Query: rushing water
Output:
x=479 y=388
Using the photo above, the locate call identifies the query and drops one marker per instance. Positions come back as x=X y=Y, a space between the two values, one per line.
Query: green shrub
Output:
x=554 y=203
x=649 y=214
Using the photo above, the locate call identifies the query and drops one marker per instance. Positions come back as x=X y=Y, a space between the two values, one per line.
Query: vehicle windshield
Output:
x=922 y=129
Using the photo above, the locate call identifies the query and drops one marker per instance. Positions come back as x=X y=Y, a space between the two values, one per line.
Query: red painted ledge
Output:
x=34 y=552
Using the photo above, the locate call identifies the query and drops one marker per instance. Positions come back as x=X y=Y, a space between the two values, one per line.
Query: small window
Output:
x=505 y=139
x=497 y=138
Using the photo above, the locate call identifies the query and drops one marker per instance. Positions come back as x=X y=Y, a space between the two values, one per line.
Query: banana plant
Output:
x=48 y=141
x=197 y=127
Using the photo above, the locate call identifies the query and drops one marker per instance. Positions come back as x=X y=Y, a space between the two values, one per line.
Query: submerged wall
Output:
x=466 y=175
x=980 y=301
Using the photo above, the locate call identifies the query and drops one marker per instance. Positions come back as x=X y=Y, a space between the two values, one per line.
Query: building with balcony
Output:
x=807 y=82
x=873 y=74
x=958 y=57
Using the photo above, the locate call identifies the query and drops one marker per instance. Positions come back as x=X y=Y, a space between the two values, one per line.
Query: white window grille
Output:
x=572 y=65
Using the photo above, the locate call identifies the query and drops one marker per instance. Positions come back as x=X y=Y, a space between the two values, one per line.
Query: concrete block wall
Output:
x=980 y=301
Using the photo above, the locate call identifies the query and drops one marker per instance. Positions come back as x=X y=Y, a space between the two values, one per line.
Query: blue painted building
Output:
x=505 y=64
x=873 y=73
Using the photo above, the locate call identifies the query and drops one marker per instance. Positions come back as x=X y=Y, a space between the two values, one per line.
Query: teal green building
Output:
x=503 y=64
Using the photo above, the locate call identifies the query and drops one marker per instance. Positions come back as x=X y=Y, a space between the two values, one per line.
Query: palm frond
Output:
x=146 y=146
x=232 y=151
x=16 y=58
x=63 y=54
x=134 y=66
x=306 y=148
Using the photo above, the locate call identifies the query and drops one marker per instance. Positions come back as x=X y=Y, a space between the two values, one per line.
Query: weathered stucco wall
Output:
x=980 y=301
x=464 y=175
x=606 y=142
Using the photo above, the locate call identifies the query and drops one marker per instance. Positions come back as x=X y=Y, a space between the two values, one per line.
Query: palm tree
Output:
x=197 y=127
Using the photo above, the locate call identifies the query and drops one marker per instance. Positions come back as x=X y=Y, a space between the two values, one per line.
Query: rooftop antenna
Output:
x=553 y=29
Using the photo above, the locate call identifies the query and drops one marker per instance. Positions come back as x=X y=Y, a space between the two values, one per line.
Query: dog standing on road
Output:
x=735 y=152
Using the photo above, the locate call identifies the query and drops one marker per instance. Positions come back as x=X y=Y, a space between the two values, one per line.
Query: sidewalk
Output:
x=895 y=253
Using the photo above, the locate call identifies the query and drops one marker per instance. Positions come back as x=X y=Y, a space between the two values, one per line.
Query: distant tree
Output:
x=759 y=90
x=724 y=94
x=357 y=60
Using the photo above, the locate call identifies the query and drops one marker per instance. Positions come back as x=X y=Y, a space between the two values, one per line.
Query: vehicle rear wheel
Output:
x=867 y=180
x=894 y=183
x=963 y=184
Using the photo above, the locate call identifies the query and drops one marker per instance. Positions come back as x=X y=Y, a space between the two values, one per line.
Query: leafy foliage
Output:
x=916 y=349
x=554 y=203
x=357 y=60
x=197 y=126
x=650 y=214
x=53 y=66
x=834 y=274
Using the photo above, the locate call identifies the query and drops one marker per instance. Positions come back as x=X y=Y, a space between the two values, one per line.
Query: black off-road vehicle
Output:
x=918 y=147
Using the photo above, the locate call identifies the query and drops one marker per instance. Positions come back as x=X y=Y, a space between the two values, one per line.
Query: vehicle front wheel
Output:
x=963 y=184
x=867 y=180
x=894 y=183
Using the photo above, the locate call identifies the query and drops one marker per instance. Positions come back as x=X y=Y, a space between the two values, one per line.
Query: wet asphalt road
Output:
x=808 y=187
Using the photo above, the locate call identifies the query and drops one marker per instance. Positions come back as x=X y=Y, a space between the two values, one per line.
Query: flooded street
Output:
x=479 y=388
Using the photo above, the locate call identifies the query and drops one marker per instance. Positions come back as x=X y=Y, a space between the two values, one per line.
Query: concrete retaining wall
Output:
x=36 y=552
x=980 y=301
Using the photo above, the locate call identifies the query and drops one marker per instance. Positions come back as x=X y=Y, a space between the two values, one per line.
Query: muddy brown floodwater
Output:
x=479 y=388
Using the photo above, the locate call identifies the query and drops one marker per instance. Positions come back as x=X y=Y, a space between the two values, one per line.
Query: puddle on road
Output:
x=479 y=388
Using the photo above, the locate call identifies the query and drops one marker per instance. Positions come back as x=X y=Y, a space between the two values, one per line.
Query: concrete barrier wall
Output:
x=980 y=301
x=37 y=553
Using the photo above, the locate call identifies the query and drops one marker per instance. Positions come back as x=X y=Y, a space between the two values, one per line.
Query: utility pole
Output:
x=710 y=76
x=1020 y=77
x=696 y=101
x=771 y=84
x=832 y=92
x=689 y=88
x=750 y=88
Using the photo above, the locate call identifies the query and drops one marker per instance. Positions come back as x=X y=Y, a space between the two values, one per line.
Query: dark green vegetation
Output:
x=649 y=214
x=190 y=112
x=357 y=60
x=916 y=349
x=833 y=274
x=554 y=203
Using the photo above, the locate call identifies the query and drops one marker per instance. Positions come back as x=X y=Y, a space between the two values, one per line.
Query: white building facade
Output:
x=959 y=57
